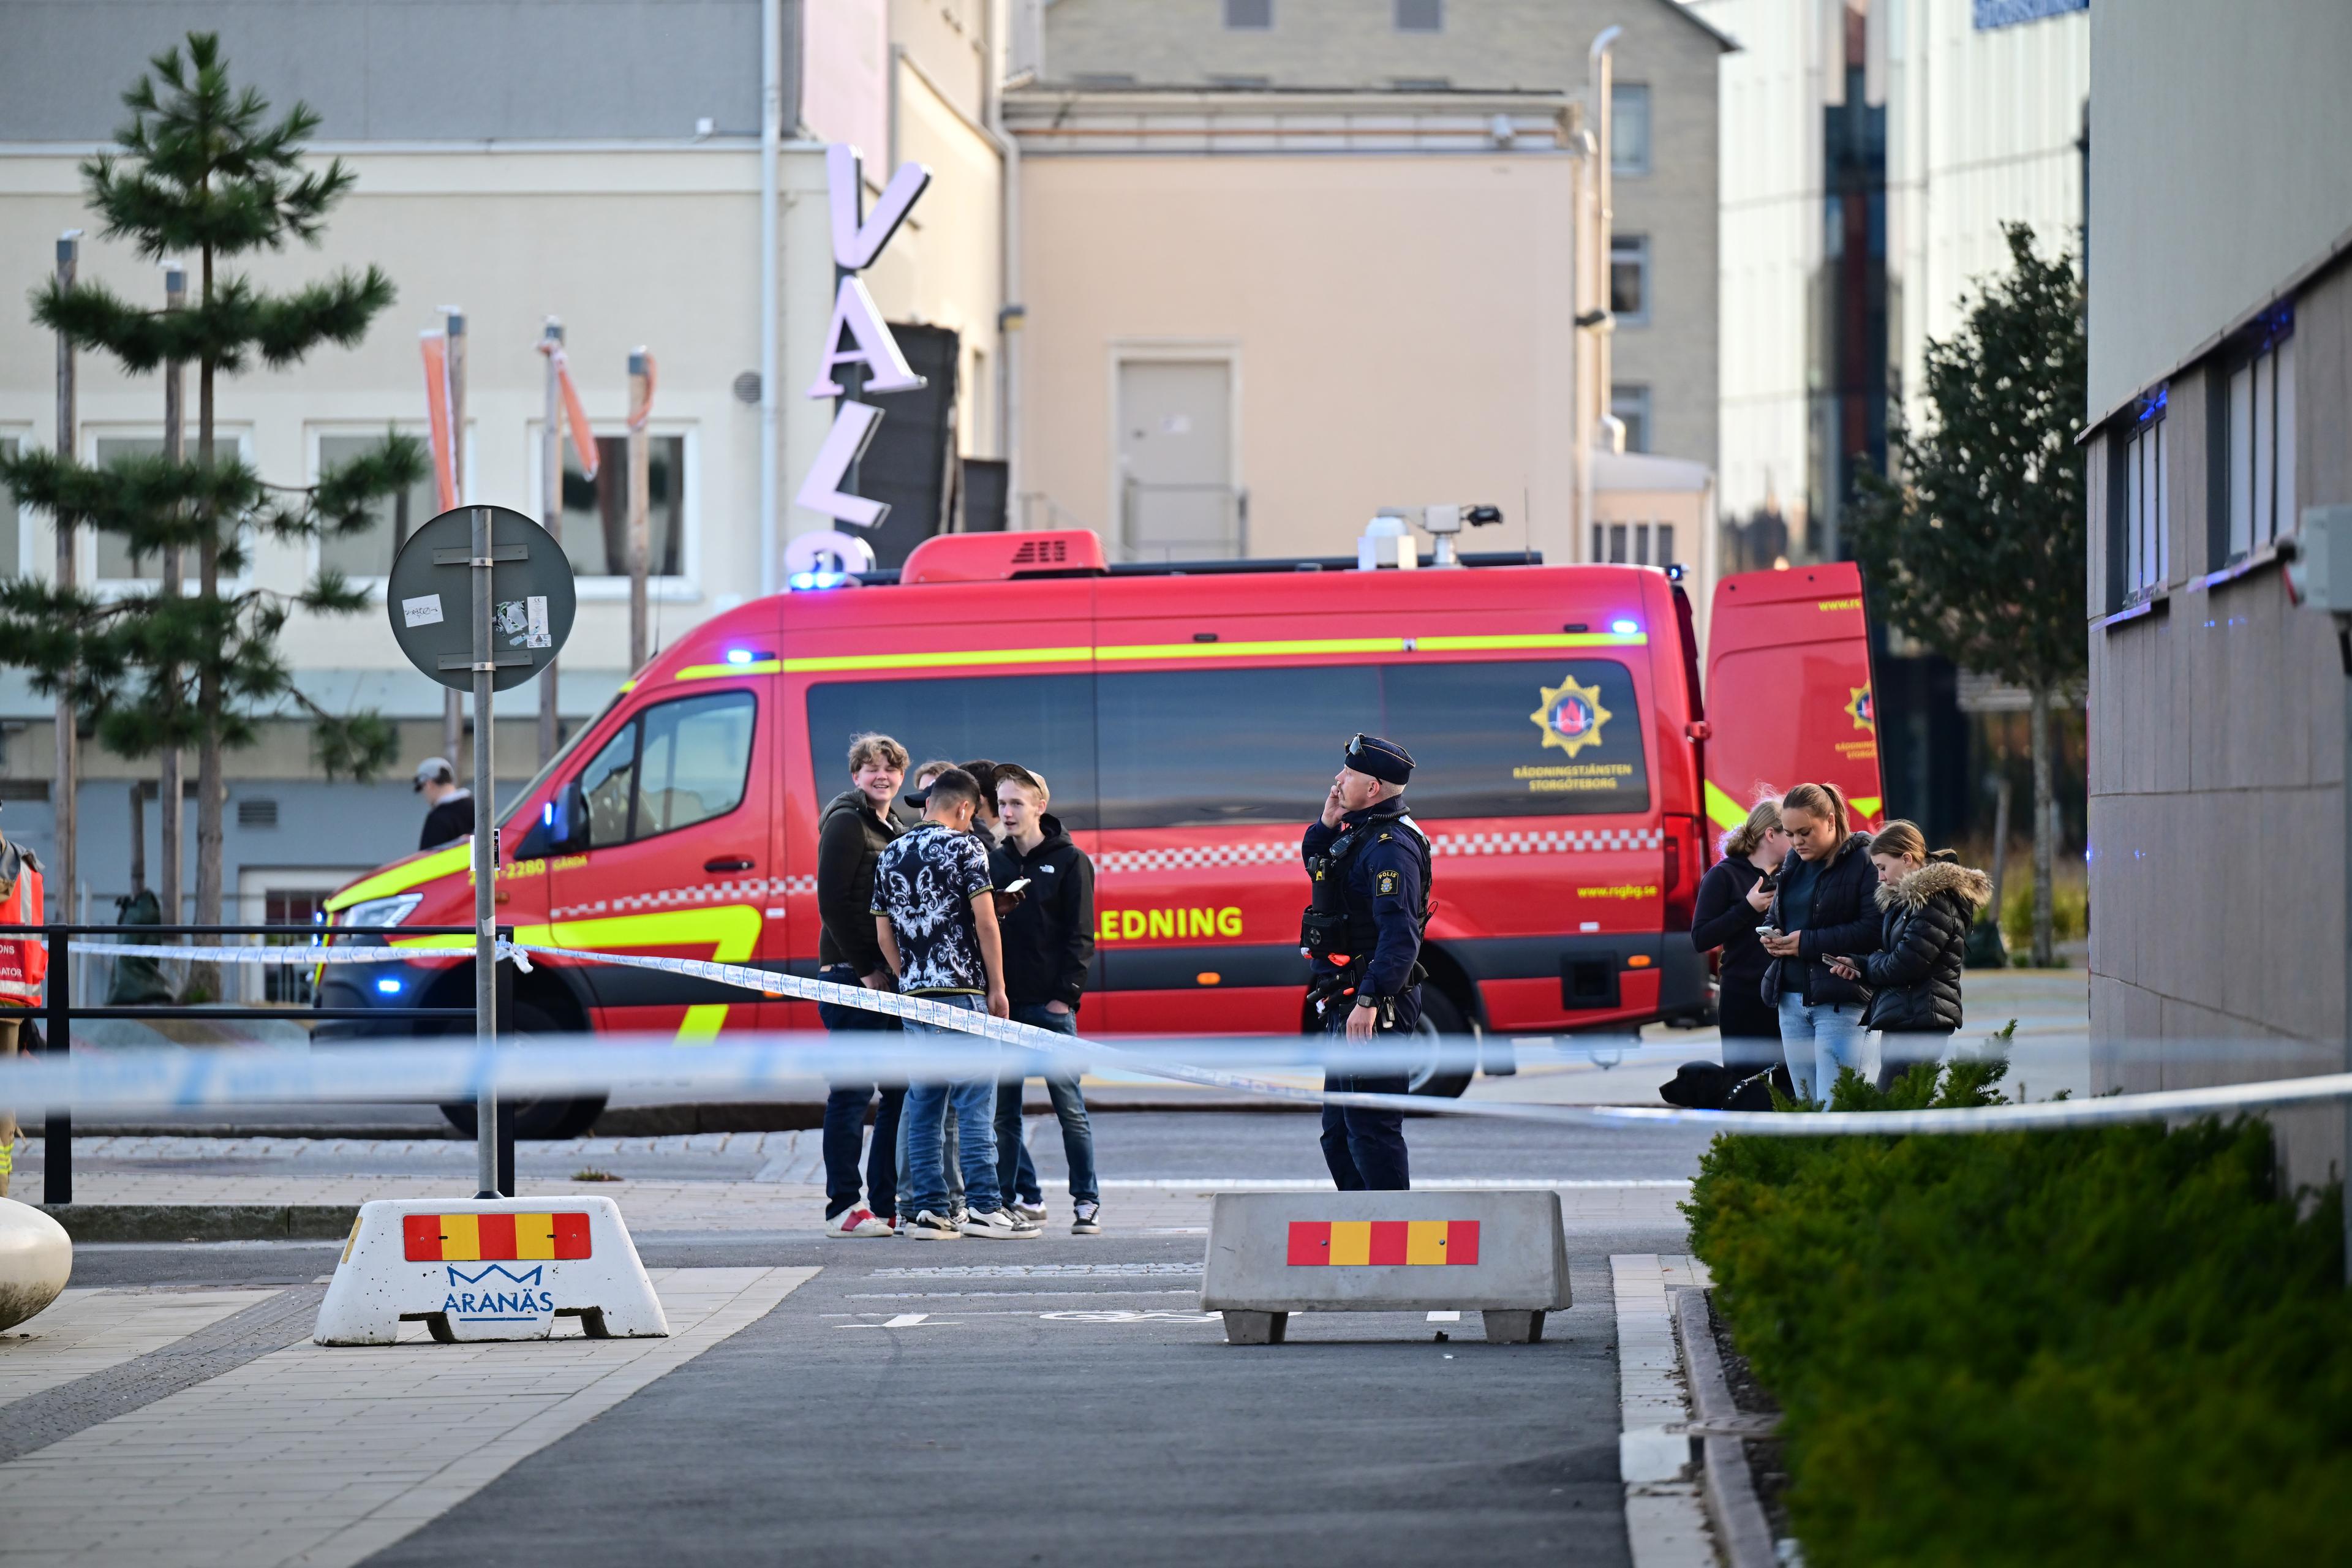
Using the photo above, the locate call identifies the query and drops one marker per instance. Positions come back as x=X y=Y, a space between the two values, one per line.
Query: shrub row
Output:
x=2111 y=1346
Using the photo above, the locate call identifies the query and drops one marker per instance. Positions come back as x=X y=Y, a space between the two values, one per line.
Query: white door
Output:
x=1178 y=500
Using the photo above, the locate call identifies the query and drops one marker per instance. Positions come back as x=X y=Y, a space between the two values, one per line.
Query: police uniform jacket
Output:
x=1384 y=875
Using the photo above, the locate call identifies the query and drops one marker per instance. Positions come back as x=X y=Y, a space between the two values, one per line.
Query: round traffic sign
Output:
x=430 y=596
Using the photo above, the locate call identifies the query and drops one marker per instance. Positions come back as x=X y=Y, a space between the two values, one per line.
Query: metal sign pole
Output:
x=486 y=974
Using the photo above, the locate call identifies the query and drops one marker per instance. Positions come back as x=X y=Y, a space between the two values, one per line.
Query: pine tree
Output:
x=1975 y=545
x=203 y=171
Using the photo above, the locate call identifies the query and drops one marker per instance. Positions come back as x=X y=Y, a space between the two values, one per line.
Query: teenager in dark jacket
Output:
x=858 y=824
x=1823 y=909
x=1732 y=898
x=1928 y=903
x=1049 y=940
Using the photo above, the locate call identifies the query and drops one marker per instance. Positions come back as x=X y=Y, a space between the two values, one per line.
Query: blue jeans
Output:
x=1015 y=1173
x=845 y=1116
x=925 y=1119
x=1819 y=1038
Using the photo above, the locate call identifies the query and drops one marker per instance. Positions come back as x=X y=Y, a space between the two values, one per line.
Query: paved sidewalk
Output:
x=322 y=1456
x=86 y=1332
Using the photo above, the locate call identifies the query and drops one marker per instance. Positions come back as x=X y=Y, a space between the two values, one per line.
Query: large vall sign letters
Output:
x=856 y=336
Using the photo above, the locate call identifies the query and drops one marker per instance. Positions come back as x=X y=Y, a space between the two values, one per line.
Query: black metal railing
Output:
x=57 y=1013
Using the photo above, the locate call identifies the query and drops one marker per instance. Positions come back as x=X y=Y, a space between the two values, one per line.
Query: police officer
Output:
x=1367 y=864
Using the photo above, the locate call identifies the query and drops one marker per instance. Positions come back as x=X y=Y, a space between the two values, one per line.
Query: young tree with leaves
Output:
x=203 y=171
x=1975 y=543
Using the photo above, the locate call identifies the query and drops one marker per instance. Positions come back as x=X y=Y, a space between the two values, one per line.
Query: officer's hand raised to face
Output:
x=1332 y=808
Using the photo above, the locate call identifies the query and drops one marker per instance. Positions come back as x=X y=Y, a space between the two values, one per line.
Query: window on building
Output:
x=12 y=519
x=1630 y=402
x=1420 y=16
x=2140 y=517
x=114 y=559
x=2258 y=447
x=1629 y=278
x=596 y=511
x=676 y=764
x=1249 y=16
x=368 y=551
x=1629 y=129
x=1634 y=543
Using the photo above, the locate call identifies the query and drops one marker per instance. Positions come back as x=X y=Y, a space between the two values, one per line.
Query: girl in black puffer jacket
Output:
x=1929 y=902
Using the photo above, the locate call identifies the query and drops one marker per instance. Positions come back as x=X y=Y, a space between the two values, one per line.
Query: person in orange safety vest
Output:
x=24 y=963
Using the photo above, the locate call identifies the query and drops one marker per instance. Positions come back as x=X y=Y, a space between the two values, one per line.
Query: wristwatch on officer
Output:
x=1364 y=1001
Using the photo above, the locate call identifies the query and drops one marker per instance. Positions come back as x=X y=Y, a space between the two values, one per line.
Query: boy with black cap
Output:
x=1369 y=865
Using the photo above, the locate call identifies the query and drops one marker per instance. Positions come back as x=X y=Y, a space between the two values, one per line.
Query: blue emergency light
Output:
x=1625 y=628
x=389 y=987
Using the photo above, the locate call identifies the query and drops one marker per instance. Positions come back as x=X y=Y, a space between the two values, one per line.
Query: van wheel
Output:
x=1440 y=1017
x=535 y=1120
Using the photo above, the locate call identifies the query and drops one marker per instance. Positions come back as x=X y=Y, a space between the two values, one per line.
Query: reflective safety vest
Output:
x=23 y=959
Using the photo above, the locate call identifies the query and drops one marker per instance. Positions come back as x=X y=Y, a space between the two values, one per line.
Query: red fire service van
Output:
x=1189 y=718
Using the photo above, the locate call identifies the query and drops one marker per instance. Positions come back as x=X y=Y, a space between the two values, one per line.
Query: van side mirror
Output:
x=562 y=827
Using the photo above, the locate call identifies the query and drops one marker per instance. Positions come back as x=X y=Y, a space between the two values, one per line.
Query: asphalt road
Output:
x=1064 y=1402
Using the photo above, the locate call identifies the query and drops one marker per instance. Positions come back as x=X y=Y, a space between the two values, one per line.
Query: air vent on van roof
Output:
x=991 y=557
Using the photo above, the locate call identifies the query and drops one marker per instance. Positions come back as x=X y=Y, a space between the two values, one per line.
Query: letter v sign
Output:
x=856 y=240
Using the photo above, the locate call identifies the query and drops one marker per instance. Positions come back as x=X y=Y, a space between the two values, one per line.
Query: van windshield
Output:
x=1206 y=748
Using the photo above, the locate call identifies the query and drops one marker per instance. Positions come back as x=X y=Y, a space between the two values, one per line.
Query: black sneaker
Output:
x=1087 y=1220
x=929 y=1227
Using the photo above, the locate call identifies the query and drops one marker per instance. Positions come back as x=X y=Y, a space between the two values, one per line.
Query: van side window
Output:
x=674 y=766
x=1204 y=748
x=1044 y=722
x=1522 y=738
x=1207 y=748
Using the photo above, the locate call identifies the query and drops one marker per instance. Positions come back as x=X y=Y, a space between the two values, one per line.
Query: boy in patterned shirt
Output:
x=935 y=917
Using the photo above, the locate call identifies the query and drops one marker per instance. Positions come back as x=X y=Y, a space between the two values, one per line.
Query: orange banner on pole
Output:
x=584 y=438
x=437 y=413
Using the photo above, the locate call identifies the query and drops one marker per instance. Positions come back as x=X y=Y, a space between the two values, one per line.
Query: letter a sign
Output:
x=857 y=336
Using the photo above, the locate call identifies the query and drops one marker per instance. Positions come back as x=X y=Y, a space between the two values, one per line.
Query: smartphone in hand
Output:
x=1017 y=886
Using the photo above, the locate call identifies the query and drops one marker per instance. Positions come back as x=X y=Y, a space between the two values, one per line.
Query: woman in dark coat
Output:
x=1732 y=898
x=1822 y=909
x=1928 y=901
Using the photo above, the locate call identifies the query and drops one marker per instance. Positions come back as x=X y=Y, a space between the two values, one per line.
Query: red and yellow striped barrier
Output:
x=1382 y=1243
x=493 y=1238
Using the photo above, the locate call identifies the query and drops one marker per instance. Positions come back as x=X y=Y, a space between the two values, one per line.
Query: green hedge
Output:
x=2115 y=1346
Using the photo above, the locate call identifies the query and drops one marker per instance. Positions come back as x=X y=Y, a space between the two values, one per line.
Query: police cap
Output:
x=1383 y=760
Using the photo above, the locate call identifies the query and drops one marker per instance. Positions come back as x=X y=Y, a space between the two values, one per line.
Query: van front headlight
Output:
x=388 y=911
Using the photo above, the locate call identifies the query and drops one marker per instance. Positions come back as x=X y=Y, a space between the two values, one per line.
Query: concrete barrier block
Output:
x=489 y=1269
x=36 y=1260
x=1502 y=1254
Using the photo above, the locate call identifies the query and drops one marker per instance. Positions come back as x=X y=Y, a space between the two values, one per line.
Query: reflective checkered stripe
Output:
x=1197 y=857
x=1281 y=851
x=1569 y=841
x=1381 y=1243
x=747 y=890
x=493 y=1238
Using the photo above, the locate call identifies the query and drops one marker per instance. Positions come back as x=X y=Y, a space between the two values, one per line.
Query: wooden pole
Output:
x=551 y=517
x=640 y=396
x=453 y=703
x=170 y=791
x=68 y=771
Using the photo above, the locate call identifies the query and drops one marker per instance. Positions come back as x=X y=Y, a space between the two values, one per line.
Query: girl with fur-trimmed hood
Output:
x=1928 y=902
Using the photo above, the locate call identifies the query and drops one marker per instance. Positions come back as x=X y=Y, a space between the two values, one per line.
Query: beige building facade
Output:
x=1381 y=220
x=633 y=211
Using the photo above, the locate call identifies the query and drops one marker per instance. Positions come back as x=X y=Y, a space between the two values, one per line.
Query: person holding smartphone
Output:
x=1732 y=900
x=1049 y=943
x=1826 y=907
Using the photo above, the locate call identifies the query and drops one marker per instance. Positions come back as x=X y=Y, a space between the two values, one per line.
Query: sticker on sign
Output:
x=422 y=612
x=523 y=622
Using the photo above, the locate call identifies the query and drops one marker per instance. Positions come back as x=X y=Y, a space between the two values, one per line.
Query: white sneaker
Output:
x=1087 y=1220
x=1033 y=1213
x=928 y=1226
x=956 y=1214
x=860 y=1223
x=1003 y=1225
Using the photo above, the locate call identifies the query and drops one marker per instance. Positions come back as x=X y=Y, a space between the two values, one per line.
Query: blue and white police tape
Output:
x=125 y=1079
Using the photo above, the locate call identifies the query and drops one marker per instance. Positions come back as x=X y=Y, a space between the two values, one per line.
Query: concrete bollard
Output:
x=1501 y=1254
x=501 y=1268
x=36 y=1260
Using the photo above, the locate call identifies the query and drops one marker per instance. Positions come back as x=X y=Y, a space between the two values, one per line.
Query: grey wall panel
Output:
x=435 y=70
